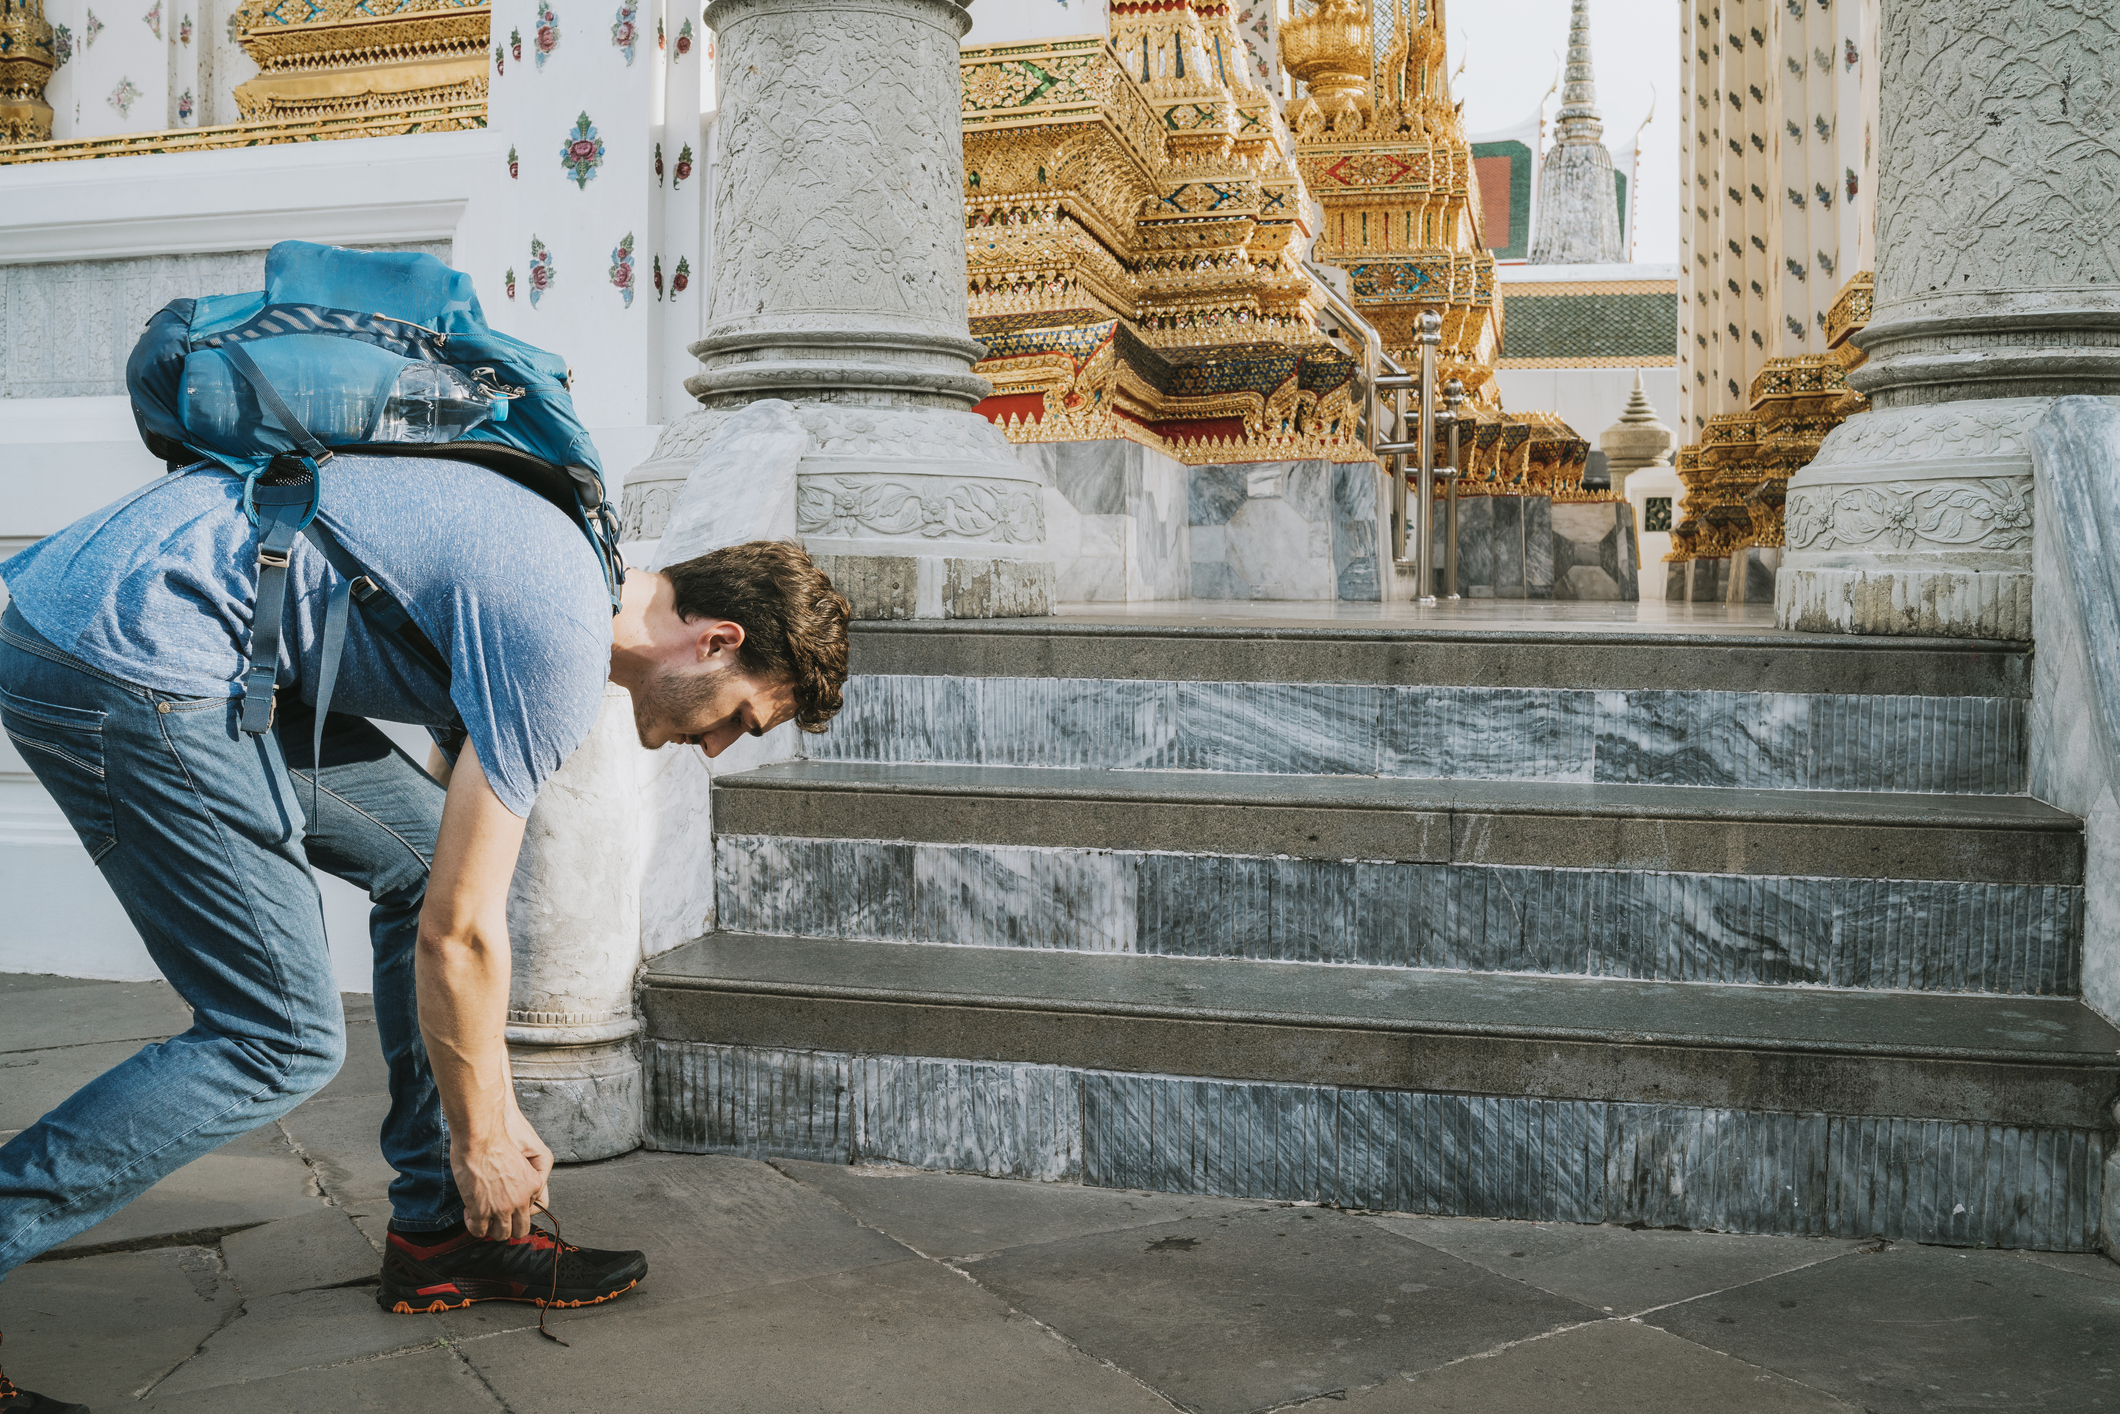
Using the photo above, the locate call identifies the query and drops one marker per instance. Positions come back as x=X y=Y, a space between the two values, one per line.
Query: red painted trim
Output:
x=1028 y=406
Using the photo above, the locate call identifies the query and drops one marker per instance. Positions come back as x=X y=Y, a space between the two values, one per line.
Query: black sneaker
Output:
x=16 y=1400
x=426 y=1275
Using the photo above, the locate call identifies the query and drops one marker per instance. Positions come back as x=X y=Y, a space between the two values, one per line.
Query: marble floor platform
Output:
x=870 y=1289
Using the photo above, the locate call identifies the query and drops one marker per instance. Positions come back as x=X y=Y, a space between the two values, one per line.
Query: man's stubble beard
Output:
x=672 y=696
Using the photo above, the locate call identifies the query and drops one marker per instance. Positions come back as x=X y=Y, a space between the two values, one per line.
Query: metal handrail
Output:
x=1398 y=381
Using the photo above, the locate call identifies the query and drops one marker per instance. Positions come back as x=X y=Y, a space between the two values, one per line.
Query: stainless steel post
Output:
x=1454 y=404
x=1422 y=523
x=1398 y=479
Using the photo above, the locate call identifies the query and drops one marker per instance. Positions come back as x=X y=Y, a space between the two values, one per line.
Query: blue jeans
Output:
x=201 y=832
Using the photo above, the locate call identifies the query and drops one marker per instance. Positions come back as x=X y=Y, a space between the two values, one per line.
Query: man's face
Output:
x=709 y=707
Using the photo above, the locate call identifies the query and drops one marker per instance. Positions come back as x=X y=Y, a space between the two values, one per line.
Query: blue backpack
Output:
x=349 y=350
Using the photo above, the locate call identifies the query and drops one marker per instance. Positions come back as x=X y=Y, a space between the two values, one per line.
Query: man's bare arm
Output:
x=462 y=968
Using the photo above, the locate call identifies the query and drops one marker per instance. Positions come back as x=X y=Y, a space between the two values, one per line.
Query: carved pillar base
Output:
x=1916 y=520
x=584 y=1101
x=915 y=512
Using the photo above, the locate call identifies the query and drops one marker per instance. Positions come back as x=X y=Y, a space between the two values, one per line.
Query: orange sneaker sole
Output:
x=406 y=1308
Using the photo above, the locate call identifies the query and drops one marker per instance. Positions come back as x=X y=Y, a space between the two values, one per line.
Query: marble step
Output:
x=1967 y=1120
x=1549 y=653
x=1659 y=883
x=1834 y=738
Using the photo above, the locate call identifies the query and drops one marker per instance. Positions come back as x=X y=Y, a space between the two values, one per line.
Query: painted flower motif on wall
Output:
x=655 y=267
x=682 y=278
x=1851 y=56
x=515 y=166
x=508 y=282
x=684 y=167
x=184 y=30
x=658 y=164
x=500 y=59
x=547 y=31
x=582 y=152
x=684 y=41
x=515 y=45
x=234 y=25
x=540 y=270
x=625 y=31
x=123 y=97
x=660 y=42
x=184 y=106
x=622 y=268
x=62 y=46
x=1854 y=183
x=153 y=17
x=90 y=30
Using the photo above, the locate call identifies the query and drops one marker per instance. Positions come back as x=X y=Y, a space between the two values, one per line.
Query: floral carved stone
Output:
x=1998 y=429
x=1992 y=513
x=931 y=508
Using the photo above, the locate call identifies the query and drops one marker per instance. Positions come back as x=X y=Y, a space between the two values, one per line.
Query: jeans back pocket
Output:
x=63 y=748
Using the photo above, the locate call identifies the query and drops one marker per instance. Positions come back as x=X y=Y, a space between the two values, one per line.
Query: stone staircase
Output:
x=1721 y=929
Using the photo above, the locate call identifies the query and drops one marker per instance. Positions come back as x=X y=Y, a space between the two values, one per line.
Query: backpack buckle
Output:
x=273 y=559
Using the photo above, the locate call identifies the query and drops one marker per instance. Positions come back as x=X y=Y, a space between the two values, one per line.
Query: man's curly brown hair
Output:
x=794 y=622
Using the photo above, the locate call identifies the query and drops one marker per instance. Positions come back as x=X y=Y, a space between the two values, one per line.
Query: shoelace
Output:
x=559 y=1245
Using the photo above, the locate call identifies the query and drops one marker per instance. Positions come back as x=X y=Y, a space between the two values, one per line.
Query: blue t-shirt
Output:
x=157 y=588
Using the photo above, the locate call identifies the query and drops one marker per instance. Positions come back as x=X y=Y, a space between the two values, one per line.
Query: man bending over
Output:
x=121 y=658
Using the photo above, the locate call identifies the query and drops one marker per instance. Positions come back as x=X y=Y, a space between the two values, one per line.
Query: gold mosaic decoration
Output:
x=1392 y=167
x=337 y=58
x=327 y=69
x=27 y=62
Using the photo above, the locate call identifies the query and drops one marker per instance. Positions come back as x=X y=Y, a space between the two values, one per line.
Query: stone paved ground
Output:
x=245 y=1284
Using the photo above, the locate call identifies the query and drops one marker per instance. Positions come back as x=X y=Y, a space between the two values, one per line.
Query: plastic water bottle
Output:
x=433 y=402
x=428 y=402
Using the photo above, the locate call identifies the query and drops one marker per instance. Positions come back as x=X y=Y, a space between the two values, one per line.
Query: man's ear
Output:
x=717 y=640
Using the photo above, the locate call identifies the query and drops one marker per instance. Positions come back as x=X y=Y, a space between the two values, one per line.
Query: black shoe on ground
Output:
x=426 y=1272
x=16 y=1400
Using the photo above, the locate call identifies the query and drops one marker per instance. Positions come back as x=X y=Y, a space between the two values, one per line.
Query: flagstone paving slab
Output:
x=304 y=1330
x=952 y=1215
x=1614 y=1270
x=430 y=1381
x=1924 y=1328
x=101 y=1329
x=908 y=1335
x=303 y=1253
x=1248 y=1310
x=1613 y=1367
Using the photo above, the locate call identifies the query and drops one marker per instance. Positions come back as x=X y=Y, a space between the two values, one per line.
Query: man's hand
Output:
x=462 y=966
x=501 y=1183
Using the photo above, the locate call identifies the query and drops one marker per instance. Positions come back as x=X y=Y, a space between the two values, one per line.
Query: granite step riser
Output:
x=1757 y=740
x=1959 y=1183
x=1892 y=934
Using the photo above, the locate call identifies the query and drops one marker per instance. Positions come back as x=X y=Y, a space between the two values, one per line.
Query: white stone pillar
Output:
x=574 y=926
x=1995 y=293
x=839 y=286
